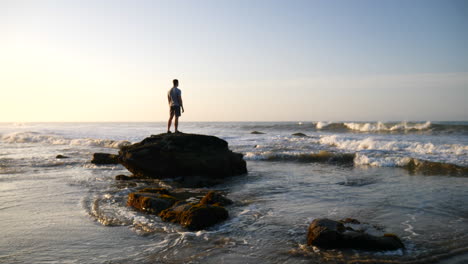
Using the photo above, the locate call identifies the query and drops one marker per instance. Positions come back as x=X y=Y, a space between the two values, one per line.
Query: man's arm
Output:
x=181 y=104
x=169 y=99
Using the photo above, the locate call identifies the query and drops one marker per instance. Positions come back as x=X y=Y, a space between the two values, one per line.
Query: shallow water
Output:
x=71 y=211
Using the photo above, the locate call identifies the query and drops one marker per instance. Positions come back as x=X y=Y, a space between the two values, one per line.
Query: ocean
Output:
x=393 y=175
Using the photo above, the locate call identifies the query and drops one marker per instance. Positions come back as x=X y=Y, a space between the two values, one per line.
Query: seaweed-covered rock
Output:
x=175 y=207
x=149 y=202
x=105 y=158
x=182 y=155
x=325 y=233
x=328 y=233
x=215 y=198
x=201 y=216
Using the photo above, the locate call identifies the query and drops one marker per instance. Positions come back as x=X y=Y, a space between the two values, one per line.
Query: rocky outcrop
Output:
x=178 y=207
x=328 y=233
x=182 y=155
x=105 y=158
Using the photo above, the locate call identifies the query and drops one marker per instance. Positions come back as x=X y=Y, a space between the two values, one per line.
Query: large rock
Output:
x=328 y=233
x=179 y=154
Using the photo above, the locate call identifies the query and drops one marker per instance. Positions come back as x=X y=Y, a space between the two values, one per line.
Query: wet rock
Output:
x=152 y=203
x=328 y=233
x=299 y=135
x=175 y=207
x=122 y=177
x=215 y=198
x=105 y=158
x=325 y=233
x=201 y=216
x=61 y=157
x=435 y=168
x=174 y=213
x=257 y=133
x=182 y=155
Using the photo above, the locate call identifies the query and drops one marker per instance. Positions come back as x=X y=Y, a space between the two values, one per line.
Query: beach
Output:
x=406 y=178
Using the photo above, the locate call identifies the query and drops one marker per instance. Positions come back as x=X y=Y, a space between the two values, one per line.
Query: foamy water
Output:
x=72 y=211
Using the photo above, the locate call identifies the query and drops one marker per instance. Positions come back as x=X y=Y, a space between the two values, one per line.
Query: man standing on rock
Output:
x=174 y=97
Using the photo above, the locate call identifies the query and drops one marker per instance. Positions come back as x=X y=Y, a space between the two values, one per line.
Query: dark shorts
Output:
x=175 y=110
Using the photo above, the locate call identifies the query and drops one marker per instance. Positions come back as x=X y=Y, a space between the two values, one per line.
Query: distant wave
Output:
x=370 y=143
x=379 y=126
x=413 y=165
x=34 y=137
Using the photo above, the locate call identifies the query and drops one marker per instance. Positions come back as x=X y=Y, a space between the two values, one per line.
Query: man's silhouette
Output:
x=174 y=97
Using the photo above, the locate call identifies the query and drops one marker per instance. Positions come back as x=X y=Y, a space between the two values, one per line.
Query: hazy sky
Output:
x=236 y=60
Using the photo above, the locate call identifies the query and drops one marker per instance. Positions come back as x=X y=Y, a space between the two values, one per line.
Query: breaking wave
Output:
x=34 y=137
x=371 y=143
x=394 y=127
x=382 y=127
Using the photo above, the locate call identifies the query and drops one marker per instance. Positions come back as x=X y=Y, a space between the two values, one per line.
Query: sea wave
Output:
x=412 y=164
x=382 y=127
x=370 y=143
x=35 y=137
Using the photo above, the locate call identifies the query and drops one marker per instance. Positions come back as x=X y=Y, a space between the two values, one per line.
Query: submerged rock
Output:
x=435 y=168
x=182 y=155
x=328 y=233
x=299 y=135
x=257 y=133
x=169 y=206
x=61 y=157
x=122 y=177
x=105 y=158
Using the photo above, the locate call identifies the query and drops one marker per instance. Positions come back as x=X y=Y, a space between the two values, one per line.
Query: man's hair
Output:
x=175 y=82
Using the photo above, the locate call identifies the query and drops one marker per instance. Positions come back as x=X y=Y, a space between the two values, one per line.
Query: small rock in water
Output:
x=61 y=157
x=215 y=198
x=191 y=215
x=256 y=132
x=122 y=177
x=299 y=135
x=105 y=158
x=328 y=233
x=152 y=203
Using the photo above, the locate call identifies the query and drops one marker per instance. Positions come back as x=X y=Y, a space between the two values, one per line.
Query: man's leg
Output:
x=176 y=123
x=171 y=115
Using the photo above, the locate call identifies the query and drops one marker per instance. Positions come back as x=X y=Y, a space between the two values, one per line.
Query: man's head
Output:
x=175 y=82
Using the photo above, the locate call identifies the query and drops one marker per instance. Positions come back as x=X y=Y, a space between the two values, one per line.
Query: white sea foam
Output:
x=379 y=161
x=322 y=124
x=370 y=143
x=34 y=137
x=379 y=126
